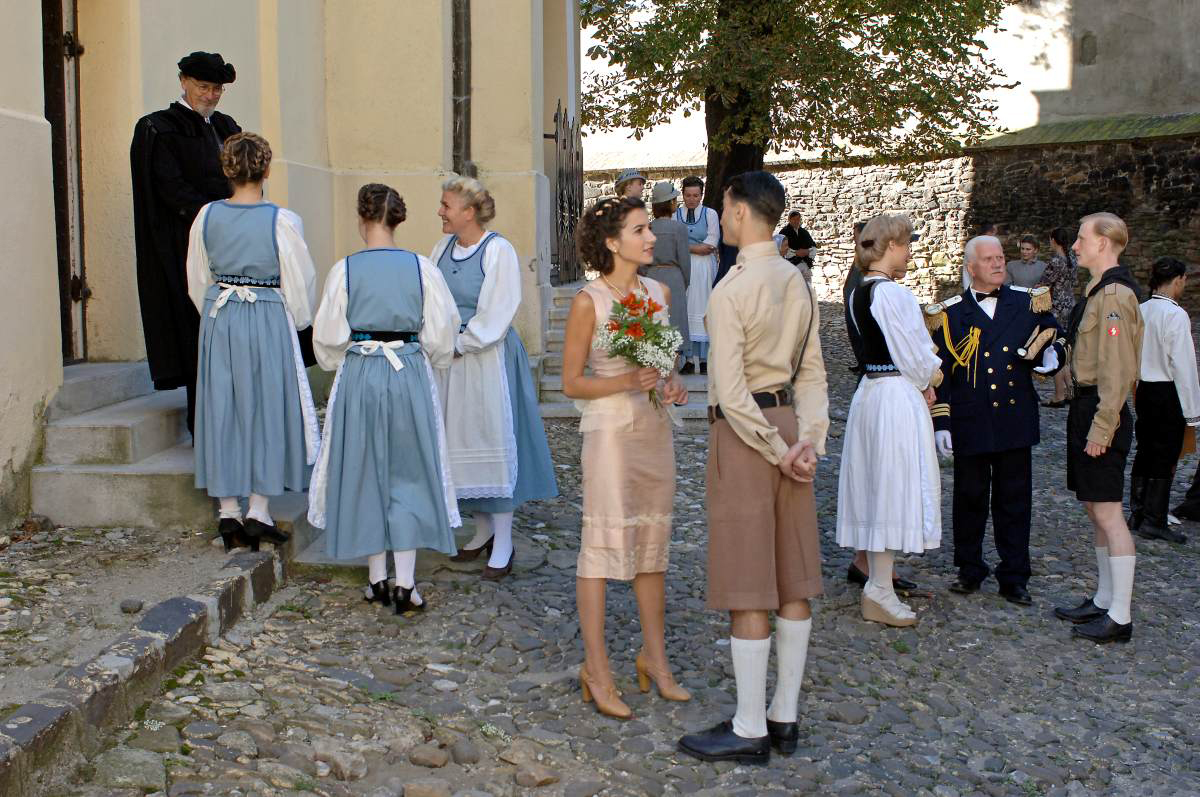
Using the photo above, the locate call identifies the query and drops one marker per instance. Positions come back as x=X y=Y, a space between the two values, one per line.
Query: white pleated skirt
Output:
x=889 y=488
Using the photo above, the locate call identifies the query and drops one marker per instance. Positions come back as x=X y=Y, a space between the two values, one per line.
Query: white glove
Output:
x=941 y=440
x=1049 y=361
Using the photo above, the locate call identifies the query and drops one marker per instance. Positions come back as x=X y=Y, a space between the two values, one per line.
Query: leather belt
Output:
x=777 y=398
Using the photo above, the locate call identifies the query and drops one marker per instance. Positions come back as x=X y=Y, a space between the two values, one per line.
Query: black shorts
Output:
x=1098 y=479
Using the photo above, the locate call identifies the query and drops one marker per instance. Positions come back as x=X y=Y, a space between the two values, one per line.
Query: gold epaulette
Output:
x=1040 y=300
x=935 y=311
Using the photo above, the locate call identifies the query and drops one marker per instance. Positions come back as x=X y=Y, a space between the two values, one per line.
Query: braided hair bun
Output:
x=245 y=158
x=381 y=203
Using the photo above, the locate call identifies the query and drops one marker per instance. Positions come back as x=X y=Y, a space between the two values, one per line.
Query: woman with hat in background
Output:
x=630 y=183
x=672 y=260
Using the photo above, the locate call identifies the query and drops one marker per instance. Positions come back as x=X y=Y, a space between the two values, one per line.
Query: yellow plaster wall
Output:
x=31 y=364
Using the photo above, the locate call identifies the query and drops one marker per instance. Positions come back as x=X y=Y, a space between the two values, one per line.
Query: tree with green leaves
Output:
x=888 y=79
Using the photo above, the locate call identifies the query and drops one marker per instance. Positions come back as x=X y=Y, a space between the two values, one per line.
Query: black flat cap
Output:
x=210 y=67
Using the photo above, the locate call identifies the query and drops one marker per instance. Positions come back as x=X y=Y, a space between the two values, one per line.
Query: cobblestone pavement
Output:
x=322 y=693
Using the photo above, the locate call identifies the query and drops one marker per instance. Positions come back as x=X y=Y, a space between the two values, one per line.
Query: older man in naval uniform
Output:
x=992 y=338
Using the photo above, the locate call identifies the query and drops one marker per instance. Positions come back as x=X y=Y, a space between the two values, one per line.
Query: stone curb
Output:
x=71 y=717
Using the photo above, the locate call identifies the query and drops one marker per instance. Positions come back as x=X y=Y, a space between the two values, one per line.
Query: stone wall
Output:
x=830 y=200
x=1152 y=183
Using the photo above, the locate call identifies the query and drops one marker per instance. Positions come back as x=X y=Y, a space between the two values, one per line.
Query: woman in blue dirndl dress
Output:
x=499 y=458
x=251 y=277
x=382 y=482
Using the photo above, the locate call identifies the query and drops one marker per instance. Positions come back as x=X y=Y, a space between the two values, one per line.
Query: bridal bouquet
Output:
x=633 y=334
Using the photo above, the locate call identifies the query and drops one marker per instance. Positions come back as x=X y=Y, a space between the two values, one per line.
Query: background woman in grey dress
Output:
x=672 y=259
x=1060 y=277
x=250 y=275
x=382 y=482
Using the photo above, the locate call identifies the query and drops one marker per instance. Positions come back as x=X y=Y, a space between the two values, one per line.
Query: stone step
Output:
x=158 y=491
x=558 y=317
x=552 y=363
x=88 y=386
x=693 y=410
x=567 y=290
x=126 y=432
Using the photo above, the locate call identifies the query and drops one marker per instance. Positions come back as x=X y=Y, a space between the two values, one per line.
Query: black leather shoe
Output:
x=232 y=534
x=720 y=743
x=256 y=528
x=784 y=736
x=856 y=576
x=379 y=593
x=402 y=598
x=687 y=369
x=964 y=587
x=1103 y=630
x=1083 y=613
x=1017 y=594
x=250 y=535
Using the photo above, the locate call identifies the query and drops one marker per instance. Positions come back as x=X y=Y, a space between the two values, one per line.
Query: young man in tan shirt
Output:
x=768 y=415
x=1105 y=356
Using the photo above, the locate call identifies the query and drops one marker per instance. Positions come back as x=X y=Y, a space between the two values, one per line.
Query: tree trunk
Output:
x=733 y=159
x=728 y=161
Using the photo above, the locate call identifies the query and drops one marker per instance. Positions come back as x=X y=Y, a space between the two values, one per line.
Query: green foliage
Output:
x=894 y=79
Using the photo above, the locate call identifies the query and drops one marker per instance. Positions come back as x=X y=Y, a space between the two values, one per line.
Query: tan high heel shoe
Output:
x=876 y=613
x=667 y=688
x=607 y=698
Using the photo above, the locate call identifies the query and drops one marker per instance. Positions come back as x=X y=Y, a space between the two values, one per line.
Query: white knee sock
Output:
x=1122 y=588
x=258 y=509
x=791 y=654
x=377 y=567
x=483 y=531
x=230 y=508
x=406 y=573
x=750 y=671
x=1103 y=596
x=502 y=548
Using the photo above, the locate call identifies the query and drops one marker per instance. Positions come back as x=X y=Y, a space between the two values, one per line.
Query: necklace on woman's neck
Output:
x=620 y=293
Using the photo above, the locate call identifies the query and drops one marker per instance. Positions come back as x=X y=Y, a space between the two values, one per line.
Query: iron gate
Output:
x=568 y=198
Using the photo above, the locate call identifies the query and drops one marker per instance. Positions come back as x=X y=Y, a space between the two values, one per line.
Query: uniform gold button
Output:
x=1004 y=348
x=987 y=354
x=1012 y=401
x=1010 y=384
x=995 y=403
x=1010 y=367
x=989 y=370
x=993 y=387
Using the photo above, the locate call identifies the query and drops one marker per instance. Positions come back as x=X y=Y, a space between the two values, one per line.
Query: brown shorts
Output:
x=763 y=549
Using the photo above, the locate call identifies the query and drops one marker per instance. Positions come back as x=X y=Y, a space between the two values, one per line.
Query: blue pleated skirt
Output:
x=249 y=434
x=385 y=490
x=535 y=470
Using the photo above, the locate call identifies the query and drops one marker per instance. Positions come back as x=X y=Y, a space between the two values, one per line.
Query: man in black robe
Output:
x=176 y=165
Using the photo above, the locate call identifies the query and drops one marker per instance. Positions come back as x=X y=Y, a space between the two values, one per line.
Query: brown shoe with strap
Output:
x=667 y=688
x=607 y=699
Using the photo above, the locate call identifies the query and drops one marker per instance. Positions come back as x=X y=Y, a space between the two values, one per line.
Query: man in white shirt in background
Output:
x=1167 y=401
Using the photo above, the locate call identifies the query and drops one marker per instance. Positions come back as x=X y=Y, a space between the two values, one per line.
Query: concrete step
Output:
x=91 y=385
x=567 y=290
x=693 y=410
x=156 y=492
x=121 y=433
x=552 y=363
x=558 y=317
